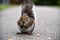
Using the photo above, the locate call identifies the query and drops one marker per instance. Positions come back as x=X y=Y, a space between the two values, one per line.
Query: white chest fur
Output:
x=28 y=29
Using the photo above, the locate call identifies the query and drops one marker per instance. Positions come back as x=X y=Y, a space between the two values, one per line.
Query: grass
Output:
x=57 y=6
x=2 y=7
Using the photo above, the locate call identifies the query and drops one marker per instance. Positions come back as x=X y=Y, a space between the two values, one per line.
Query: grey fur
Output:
x=27 y=6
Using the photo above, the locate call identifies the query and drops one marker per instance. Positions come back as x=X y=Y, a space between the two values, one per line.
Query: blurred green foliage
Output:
x=3 y=7
x=46 y=2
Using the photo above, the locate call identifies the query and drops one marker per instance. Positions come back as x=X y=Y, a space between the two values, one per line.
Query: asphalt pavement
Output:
x=47 y=25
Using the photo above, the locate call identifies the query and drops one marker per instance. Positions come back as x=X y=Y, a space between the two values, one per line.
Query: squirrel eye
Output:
x=26 y=18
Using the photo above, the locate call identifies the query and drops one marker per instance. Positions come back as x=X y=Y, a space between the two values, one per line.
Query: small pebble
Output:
x=49 y=38
x=10 y=39
x=38 y=35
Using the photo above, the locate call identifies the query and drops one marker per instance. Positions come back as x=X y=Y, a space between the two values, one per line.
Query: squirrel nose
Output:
x=23 y=22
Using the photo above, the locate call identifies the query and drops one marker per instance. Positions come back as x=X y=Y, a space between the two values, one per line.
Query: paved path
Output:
x=47 y=24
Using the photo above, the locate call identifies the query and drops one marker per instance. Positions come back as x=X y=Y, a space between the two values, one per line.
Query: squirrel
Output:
x=26 y=23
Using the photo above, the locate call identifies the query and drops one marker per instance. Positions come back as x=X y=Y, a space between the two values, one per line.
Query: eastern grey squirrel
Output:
x=26 y=23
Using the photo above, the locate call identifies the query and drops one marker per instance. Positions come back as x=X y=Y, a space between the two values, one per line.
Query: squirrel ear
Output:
x=21 y=18
x=21 y=1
